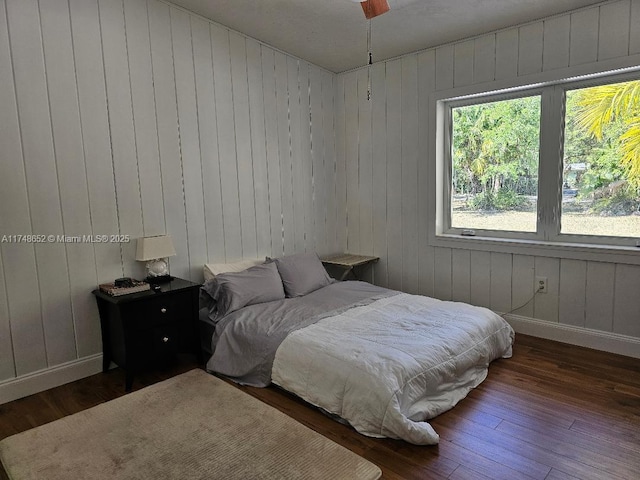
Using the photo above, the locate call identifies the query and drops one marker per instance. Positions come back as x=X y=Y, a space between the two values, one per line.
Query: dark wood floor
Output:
x=551 y=412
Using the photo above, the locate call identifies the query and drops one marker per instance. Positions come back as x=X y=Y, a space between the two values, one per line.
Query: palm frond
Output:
x=598 y=106
x=630 y=148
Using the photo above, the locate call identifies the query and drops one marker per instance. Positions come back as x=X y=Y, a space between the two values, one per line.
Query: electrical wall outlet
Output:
x=541 y=284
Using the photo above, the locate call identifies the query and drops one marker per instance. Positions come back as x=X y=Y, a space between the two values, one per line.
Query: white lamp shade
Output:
x=153 y=248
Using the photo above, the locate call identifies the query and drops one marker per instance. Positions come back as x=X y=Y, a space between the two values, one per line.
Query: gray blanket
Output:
x=245 y=342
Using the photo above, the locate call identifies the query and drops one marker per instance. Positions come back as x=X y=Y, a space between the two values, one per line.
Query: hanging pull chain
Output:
x=370 y=56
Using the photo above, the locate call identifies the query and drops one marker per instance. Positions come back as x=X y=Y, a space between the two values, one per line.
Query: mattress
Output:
x=382 y=360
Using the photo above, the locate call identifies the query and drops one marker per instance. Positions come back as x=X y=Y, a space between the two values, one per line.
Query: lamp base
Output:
x=159 y=279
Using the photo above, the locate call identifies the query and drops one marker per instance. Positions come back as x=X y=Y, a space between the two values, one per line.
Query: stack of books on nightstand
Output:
x=136 y=286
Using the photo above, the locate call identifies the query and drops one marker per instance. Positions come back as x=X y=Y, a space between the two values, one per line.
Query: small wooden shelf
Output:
x=348 y=262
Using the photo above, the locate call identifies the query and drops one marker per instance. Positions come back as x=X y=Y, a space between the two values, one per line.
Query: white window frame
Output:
x=547 y=237
x=448 y=181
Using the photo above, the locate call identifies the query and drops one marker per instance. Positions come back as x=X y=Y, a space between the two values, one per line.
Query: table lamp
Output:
x=154 y=251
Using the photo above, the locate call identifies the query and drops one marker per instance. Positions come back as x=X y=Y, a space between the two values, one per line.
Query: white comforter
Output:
x=389 y=366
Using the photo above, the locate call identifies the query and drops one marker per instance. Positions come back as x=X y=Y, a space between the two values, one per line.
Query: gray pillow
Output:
x=302 y=273
x=232 y=291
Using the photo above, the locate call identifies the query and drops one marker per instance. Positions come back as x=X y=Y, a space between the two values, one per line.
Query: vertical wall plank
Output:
x=365 y=167
x=164 y=87
x=307 y=161
x=410 y=154
x=573 y=276
x=501 y=268
x=394 y=173
x=296 y=164
x=189 y=142
x=321 y=175
x=442 y=275
x=614 y=30
x=7 y=365
x=322 y=171
x=463 y=62
x=318 y=169
x=123 y=142
x=226 y=143
x=379 y=171
x=557 y=31
x=144 y=116
x=44 y=197
x=546 y=304
x=27 y=352
x=480 y=278
x=461 y=275
x=72 y=175
x=258 y=149
x=341 y=166
x=626 y=300
x=634 y=34
x=322 y=144
x=306 y=117
x=427 y=272
x=522 y=288
x=208 y=138
x=584 y=36
x=426 y=85
x=328 y=127
x=484 y=59
x=96 y=140
x=599 y=296
x=284 y=145
x=530 y=47
x=444 y=67
x=240 y=90
x=507 y=54
x=352 y=160
x=18 y=259
x=273 y=163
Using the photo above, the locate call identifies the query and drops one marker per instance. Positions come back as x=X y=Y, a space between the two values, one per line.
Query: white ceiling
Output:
x=333 y=33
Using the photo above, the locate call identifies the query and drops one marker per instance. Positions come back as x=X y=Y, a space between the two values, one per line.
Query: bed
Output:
x=383 y=361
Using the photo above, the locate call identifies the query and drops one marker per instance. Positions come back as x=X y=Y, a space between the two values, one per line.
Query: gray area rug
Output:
x=193 y=426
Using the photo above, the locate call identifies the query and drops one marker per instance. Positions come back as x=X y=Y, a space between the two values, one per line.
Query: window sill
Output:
x=577 y=251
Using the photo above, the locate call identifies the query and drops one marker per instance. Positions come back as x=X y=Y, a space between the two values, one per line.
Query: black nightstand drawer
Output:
x=161 y=310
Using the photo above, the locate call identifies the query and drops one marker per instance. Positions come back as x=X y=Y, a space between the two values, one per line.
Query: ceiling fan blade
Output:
x=373 y=8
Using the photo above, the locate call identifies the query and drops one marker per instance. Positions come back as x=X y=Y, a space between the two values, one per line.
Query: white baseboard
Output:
x=584 y=337
x=49 y=378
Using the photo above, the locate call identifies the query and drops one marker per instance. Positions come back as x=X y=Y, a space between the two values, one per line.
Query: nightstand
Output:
x=143 y=329
x=348 y=262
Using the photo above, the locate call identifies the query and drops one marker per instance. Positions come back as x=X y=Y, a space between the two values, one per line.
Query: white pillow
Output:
x=213 y=269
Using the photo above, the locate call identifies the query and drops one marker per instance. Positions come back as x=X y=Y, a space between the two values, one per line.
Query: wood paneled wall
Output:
x=387 y=145
x=137 y=118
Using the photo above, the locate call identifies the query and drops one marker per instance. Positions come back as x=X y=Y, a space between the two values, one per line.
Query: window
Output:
x=495 y=165
x=601 y=161
x=558 y=163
